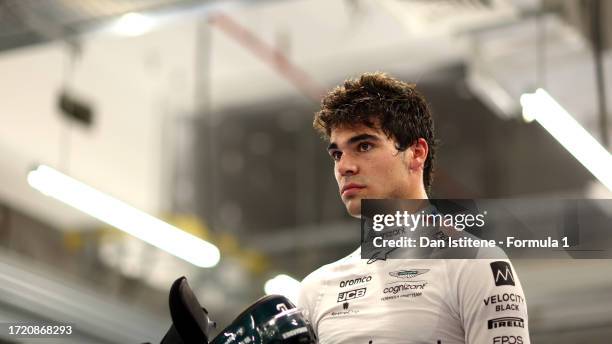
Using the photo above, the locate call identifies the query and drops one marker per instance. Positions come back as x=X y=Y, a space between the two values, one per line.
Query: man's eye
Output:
x=364 y=147
x=336 y=155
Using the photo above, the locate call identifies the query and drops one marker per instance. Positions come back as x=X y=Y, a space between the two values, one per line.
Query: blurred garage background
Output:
x=200 y=112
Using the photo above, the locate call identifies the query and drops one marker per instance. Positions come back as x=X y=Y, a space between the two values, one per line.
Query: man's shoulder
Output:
x=318 y=276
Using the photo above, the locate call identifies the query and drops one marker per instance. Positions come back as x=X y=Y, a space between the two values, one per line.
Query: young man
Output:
x=382 y=142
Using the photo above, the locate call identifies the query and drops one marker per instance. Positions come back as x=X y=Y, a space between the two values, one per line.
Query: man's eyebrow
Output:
x=362 y=137
x=355 y=139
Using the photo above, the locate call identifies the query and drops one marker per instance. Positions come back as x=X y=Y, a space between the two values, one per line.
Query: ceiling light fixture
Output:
x=124 y=217
x=543 y=108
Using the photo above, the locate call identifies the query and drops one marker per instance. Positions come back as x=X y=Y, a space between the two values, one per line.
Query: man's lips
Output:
x=351 y=188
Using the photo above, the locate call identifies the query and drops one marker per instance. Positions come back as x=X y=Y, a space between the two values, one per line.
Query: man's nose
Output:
x=347 y=166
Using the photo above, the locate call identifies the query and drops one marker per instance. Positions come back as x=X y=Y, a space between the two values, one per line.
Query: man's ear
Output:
x=419 y=149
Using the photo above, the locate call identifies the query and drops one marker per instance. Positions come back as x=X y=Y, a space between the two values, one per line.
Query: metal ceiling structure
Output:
x=28 y=22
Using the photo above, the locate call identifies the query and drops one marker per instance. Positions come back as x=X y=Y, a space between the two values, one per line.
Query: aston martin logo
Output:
x=408 y=273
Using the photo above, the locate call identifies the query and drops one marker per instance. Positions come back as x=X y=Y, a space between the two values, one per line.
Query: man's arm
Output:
x=308 y=296
x=491 y=302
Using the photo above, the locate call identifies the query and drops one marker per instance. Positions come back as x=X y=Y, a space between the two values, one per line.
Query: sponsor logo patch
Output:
x=345 y=310
x=505 y=302
x=354 y=281
x=404 y=289
x=406 y=274
x=505 y=322
x=508 y=340
x=502 y=273
x=505 y=297
x=351 y=294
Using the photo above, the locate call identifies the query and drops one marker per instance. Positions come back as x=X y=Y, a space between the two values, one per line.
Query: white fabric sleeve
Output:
x=307 y=297
x=491 y=302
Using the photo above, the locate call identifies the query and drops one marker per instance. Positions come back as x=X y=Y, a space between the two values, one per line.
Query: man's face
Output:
x=367 y=165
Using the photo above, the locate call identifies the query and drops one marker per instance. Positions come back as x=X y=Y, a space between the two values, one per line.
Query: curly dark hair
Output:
x=399 y=109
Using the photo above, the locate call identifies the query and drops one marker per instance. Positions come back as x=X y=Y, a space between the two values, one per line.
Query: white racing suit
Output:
x=438 y=301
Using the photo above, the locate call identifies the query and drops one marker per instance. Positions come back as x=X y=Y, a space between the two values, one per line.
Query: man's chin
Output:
x=353 y=207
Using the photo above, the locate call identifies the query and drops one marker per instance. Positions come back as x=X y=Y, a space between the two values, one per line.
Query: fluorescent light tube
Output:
x=565 y=129
x=124 y=217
